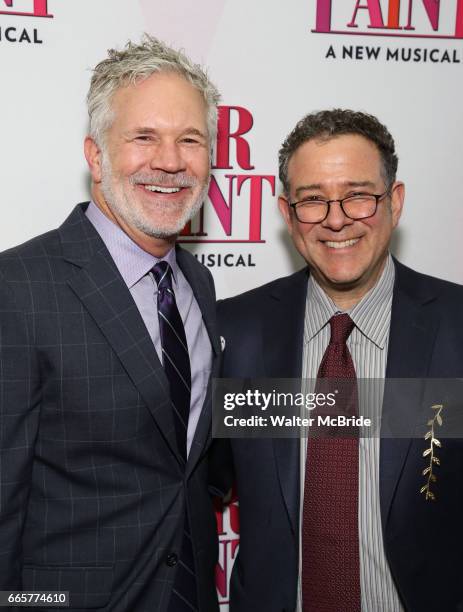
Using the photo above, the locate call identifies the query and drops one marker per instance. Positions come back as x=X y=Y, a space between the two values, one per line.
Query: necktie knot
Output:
x=162 y=273
x=341 y=328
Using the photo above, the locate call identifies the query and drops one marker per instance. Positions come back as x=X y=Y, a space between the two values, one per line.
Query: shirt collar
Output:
x=132 y=261
x=371 y=315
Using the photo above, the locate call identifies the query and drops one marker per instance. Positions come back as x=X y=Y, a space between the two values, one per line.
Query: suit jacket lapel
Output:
x=101 y=289
x=411 y=339
x=283 y=333
x=206 y=302
x=202 y=293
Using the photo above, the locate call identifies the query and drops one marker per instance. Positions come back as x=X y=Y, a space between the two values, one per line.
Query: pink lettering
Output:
x=459 y=20
x=224 y=136
x=219 y=510
x=222 y=209
x=234 y=511
x=374 y=10
x=432 y=9
x=188 y=231
x=40 y=9
x=323 y=22
x=255 y=201
x=222 y=571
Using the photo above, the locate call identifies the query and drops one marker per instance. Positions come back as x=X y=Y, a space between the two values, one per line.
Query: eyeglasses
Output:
x=357 y=206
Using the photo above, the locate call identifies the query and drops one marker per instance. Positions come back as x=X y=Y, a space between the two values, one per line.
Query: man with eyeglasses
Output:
x=331 y=525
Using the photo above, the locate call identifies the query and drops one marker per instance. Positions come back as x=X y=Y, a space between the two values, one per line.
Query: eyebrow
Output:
x=318 y=186
x=189 y=130
x=194 y=131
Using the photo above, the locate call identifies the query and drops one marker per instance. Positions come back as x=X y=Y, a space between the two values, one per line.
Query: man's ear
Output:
x=397 y=201
x=93 y=156
x=283 y=205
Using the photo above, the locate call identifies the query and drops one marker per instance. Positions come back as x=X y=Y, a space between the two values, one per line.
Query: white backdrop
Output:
x=273 y=62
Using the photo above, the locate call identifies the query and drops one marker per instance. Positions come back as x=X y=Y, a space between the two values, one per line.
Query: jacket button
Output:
x=171 y=559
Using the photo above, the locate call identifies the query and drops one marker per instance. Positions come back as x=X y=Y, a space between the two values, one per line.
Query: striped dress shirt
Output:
x=368 y=345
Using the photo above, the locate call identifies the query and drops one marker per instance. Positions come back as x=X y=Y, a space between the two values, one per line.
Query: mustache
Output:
x=164 y=179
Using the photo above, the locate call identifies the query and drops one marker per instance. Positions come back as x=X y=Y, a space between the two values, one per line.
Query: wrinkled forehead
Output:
x=163 y=104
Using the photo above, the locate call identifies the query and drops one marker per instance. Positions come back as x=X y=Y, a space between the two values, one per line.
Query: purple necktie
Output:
x=176 y=363
x=330 y=539
x=175 y=357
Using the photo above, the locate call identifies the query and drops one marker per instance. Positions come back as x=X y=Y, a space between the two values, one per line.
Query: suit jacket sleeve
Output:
x=19 y=417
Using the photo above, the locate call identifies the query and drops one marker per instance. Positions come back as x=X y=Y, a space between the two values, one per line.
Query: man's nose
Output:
x=167 y=157
x=336 y=218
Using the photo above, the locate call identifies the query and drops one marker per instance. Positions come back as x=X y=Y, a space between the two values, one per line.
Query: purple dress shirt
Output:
x=134 y=265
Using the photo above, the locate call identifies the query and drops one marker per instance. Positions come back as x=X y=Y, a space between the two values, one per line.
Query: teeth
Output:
x=341 y=245
x=159 y=189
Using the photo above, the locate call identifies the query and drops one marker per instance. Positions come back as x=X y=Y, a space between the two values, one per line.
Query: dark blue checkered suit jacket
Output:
x=93 y=490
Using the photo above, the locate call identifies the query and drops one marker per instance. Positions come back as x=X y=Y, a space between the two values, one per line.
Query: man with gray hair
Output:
x=344 y=524
x=108 y=345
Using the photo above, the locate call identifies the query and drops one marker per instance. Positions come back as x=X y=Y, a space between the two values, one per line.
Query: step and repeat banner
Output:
x=273 y=62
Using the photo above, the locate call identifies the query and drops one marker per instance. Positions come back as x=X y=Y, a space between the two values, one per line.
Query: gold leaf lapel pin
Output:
x=430 y=452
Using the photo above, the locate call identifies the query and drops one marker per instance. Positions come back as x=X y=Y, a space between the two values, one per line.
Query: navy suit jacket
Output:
x=263 y=330
x=93 y=487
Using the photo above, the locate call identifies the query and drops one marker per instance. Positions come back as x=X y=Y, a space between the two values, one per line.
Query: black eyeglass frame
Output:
x=377 y=197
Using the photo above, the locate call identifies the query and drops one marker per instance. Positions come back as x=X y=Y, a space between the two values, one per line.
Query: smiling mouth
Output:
x=340 y=244
x=159 y=189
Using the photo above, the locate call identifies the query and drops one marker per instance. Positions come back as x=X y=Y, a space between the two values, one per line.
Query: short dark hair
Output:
x=327 y=124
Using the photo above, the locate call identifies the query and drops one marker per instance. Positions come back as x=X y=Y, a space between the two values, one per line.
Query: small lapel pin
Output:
x=431 y=452
x=222 y=343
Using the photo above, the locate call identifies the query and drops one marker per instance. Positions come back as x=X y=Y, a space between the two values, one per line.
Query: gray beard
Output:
x=124 y=208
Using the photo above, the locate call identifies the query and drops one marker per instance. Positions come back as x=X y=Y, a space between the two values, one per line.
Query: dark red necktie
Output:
x=330 y=539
